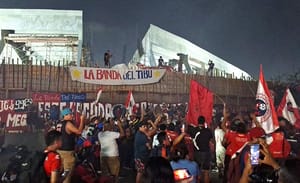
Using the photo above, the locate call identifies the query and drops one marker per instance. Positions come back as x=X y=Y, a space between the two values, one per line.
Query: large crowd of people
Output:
x=161 y=147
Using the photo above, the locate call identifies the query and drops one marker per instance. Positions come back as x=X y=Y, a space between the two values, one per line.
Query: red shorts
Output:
x=139 y=165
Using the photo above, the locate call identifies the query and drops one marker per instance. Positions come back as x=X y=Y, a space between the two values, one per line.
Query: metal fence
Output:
x=21 y=80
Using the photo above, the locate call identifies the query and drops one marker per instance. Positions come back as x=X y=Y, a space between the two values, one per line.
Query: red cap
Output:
x=87 y=143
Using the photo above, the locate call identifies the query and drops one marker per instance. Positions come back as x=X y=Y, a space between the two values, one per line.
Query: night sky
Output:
x=244 y=33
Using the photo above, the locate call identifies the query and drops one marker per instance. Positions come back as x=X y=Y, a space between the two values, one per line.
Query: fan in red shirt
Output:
x=279 y=147
x=233 y=141
x=187 y=139
x=52 y=163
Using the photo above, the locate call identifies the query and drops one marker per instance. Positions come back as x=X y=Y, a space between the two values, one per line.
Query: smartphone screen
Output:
x=254 y=154
x=183 y=128
x=181 y=174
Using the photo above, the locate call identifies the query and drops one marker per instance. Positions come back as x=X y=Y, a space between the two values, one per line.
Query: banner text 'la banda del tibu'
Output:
x=105 y=76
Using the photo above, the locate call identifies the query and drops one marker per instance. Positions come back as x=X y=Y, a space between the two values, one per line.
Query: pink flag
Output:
x=130 y=103
x=265 y=110
x=98 y=96
x=200 y=104
x=288 y=108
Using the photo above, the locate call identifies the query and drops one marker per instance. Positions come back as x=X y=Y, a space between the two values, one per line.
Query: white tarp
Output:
x=106 y=76
x=158 y=42
x=42 y=21
x=45 y=23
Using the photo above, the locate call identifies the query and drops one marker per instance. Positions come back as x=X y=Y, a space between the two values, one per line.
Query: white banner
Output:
x=105 y=76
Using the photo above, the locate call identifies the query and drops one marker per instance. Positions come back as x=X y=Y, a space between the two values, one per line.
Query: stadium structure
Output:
x=41 y=36
x=182 y=55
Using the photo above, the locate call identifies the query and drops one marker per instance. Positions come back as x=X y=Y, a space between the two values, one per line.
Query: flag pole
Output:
x=99 y=92
x=219 y=98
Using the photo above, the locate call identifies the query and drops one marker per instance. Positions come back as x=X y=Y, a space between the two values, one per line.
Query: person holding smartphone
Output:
x=254 y=154
x=182 y=165
x=267 y=160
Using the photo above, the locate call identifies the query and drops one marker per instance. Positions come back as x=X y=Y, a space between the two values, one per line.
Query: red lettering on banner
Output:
x=100 y=74
x=41 y=97
x=89 y=74
x=106 y=73
x=117 y=75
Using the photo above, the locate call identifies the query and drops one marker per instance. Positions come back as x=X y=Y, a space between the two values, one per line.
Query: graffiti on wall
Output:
x=16 y=114
x=13 y=114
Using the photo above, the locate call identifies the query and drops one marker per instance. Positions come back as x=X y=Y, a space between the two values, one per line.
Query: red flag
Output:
x=130 y=103
x=265 y=110
x=288 y=108
x=200 y=104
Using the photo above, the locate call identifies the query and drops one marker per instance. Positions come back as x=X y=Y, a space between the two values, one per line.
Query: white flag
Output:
x=265 y=110
x=98 y=96
x=288 y=107
x=130 y=103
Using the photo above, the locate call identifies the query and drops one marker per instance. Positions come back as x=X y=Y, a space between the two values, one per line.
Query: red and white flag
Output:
x=200 y=104
x=288 y=108
x=265 y=110
x=97 y=97
x=130 y=103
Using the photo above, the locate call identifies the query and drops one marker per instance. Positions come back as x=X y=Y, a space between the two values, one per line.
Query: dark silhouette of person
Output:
x=211 y=66
x=160 y=62
x=107 y=56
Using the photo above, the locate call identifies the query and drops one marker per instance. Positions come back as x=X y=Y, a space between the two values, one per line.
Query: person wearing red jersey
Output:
x=233 y=141
x=172 y=134
x=279 y=147
x=52 y=163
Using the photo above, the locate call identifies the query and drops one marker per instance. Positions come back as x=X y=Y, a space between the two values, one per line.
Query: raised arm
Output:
x=142 y=114
x=225 y=118
x=151 y=132
x=122 y=134
x=178 y=139
x=246 y=172
x=70 y=128
x=254 y=120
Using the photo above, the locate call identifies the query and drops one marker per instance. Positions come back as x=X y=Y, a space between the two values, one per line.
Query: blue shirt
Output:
x=141 y=151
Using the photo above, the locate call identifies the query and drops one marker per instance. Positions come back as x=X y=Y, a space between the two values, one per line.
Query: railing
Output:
x=17 y=81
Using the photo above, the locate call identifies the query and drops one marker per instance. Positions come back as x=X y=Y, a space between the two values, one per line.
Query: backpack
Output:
x=236 y=166
x=280 y=147
x=38 y=174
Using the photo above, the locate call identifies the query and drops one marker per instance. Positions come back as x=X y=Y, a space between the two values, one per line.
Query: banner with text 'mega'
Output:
x=116 y=76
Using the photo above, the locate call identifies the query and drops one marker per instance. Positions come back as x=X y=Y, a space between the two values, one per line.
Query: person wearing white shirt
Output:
x=110 y=161
x=220 y=150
